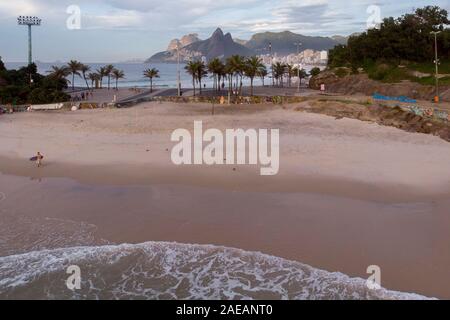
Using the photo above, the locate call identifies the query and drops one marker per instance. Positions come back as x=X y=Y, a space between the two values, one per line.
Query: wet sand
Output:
x=349 y=194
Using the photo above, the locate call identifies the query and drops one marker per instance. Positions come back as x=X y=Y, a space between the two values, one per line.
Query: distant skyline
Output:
x=116 y=30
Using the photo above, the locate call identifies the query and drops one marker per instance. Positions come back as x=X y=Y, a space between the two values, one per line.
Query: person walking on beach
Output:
x=39 y=158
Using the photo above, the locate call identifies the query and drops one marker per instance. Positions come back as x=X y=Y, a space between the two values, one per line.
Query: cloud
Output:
x=18 y=7
x=143 y=24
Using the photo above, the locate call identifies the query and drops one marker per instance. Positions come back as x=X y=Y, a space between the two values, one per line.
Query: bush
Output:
x=315 y=71
x=341 y=72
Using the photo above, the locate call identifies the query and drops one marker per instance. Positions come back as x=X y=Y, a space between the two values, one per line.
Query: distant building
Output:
x=324 y=55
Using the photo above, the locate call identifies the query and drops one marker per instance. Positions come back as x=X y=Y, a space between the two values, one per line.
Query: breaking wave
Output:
x=158 y=270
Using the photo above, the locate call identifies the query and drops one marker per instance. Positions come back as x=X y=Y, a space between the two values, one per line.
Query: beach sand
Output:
x=349 y=194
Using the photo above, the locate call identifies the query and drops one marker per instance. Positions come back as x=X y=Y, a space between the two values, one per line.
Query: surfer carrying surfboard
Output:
x=39 y=158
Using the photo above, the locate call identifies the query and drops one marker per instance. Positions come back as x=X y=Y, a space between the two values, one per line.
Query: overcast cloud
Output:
x=114 y=30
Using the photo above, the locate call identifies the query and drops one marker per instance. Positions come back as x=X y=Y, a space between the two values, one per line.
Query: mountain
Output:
x=184 y=41
x=223 y=45
x=218 y=45
x=340 y=39
x=283 y=43
x=240 y=41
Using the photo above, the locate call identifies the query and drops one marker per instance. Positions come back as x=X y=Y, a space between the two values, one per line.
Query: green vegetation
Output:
x=26 y=85
x=151 y=74
x=341 y=72
x=315 y=71
x=400 y=49
x=236 y=67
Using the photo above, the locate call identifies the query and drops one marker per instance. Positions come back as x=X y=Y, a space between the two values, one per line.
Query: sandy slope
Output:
x=135 y=145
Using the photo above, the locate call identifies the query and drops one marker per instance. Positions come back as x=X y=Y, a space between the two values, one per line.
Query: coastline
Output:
x=344 y=198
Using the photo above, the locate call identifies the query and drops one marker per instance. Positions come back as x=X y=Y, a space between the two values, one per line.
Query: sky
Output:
x=121 y=30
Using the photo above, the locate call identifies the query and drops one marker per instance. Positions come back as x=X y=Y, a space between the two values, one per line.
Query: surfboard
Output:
x=35 y=158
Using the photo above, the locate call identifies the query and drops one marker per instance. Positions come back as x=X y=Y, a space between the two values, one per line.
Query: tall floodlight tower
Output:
x=29 y=21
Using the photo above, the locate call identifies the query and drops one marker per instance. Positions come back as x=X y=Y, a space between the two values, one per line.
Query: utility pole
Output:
x=436 y=61
x=271 y=63
x=298 y=44
x=178 y=69
x=29 y=22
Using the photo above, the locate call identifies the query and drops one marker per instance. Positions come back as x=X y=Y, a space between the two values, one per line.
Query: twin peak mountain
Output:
x=222 y=46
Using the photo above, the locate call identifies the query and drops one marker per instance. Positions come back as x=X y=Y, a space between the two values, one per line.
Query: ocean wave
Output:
x=159 y=270
x=21 y=234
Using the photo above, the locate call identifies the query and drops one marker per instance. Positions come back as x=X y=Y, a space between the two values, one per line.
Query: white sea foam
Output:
x=157 y=270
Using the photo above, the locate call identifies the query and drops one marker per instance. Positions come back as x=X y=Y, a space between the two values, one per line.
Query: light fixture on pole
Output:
x=436 y=61
x=178 y=69
x=29 y=21
x=298 y=44
x=271 y=63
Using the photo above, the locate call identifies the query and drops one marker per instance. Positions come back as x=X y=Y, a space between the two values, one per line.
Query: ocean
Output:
x=38 y=244
x=133 y=74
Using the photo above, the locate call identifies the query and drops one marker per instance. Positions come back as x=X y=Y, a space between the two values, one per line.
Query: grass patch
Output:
x=391 y=73
x=429 y=67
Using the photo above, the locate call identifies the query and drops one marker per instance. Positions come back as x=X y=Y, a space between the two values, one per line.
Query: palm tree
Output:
x=84 y=69
x=108 y=72
x=151 y=73
x=101 y=73
x=75 y=68
x=117 y=74
x=237 y=65
x=279 y=71
x=59 y=74
x=303 y=74
x=93 y=77
x=215 y=66
x=228 y=73
x=201 y=73
x=291 y=72
x=263 y=74
x=191 y=68
x=253 y=66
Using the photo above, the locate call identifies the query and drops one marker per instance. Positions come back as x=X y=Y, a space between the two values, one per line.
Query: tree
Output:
x=253 y=66
x=191 y=68
x=117 y=75
x=315 y=71
x=215 y=66
x=236 y=64
x=101 y=73
x=93 y=77
x=291 y=72
x=75 y=68
x=2 y=65
x=279 y=71
x=302 y=75
x=84 y=69
x=59 y=74
x=108 y=73
x=263 y=74
x=397 y=39
x=151 y=74
x=201 y=73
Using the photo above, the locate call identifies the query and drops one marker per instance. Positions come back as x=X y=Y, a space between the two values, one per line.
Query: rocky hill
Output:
x=218 y=45
x=283 y=43
x=184 y=41
x=223 y=45
x=361 y=85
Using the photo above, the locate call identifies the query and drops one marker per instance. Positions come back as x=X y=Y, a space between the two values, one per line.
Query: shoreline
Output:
x=349 y=194
x=244 y=179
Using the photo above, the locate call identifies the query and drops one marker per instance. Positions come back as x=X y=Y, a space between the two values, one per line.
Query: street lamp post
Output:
x=178 y=70
x=298 y=44
x=271 y=63
x=29 y=21
x=436 y=61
